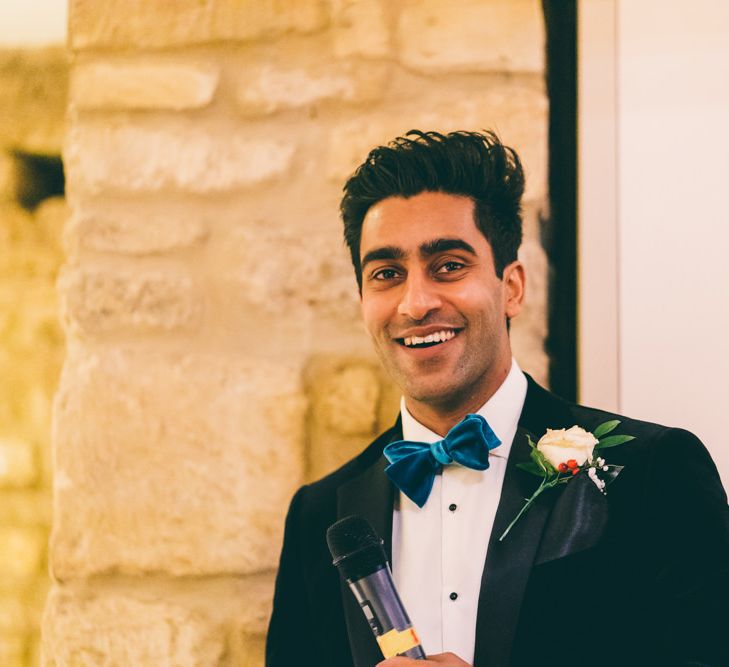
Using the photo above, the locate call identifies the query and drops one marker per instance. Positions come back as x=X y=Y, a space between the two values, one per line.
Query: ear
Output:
x=514 y=280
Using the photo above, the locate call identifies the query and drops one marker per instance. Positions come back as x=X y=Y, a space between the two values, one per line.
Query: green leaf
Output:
x=613 y=440
x=605 y=428
x=531 y=442
x=542 y=462
x=531 y=467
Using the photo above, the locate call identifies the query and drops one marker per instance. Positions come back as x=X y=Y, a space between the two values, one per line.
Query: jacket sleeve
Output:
x=288 y=641
x=690 y=520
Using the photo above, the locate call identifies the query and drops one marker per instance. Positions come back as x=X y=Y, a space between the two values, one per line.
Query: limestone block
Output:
x=347 y=399
x=274 y=271
x=18 y=466
x=270 y=86
x=136 y=228
x=471 y=35
x=141 y=24
x=142 y=85
x=175 y=464
x=344 y=405
x=248 y=650
x=360 y=29
x=33 y=92
x=86 y=629
x=179 y=153
x=517 y=110
x=97 y=301
x=23 y=551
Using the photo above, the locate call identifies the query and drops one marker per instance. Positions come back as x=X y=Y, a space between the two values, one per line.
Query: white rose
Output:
x=561 y=445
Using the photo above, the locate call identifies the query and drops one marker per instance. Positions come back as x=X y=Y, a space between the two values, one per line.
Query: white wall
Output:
x=669 y=265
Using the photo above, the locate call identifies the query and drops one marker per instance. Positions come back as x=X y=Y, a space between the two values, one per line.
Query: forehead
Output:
x=408 y=222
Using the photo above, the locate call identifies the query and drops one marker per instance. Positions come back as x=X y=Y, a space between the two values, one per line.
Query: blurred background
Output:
x=180 y=343
x=33 y=92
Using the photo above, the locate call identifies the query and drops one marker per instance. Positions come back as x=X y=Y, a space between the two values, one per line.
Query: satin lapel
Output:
x=509 y=563
x=370 y=495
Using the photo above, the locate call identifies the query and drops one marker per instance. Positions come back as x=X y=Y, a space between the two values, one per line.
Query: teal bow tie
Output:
x=414 y=465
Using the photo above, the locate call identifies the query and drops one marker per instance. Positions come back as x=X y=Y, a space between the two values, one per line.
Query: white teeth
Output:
x=437 y=337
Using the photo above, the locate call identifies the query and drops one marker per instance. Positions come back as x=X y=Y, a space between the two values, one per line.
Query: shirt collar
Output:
x=501 y=411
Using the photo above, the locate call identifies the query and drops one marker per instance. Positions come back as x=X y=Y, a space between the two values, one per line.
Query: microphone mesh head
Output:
x=355 y=547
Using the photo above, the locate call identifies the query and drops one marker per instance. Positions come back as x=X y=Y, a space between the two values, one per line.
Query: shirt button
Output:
x=452 y=507
x=453 y=596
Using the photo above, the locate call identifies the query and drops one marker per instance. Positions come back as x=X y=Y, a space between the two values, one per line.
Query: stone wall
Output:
x=33 y=87
x=215 y=356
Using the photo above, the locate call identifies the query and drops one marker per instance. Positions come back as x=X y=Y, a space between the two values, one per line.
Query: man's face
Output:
x=432 y=301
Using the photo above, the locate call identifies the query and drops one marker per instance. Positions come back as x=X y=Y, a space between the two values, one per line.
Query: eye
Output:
x=450 y=266
x=385 y=274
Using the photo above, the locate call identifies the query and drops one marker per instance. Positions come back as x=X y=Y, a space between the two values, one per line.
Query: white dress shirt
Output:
x=438 y=552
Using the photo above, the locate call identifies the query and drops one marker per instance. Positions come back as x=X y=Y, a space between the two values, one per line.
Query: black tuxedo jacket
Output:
x=639 y=576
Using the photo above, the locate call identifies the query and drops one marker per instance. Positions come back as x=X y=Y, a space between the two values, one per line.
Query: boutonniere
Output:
x=561 y=454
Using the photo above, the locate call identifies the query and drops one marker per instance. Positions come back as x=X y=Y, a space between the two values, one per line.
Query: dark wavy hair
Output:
x=471 y=164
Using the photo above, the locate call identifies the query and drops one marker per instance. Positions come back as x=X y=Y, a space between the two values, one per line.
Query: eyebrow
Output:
x=427 y=250
x=430 y=248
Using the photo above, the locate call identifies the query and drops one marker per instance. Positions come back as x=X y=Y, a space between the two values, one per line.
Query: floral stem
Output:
x=546 y=484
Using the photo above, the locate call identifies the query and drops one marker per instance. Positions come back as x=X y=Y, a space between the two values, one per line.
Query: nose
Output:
x=420 y=297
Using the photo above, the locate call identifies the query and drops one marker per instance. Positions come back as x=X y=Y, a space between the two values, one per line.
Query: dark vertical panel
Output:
x=559 y=233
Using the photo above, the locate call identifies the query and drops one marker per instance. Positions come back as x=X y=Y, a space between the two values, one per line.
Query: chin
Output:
x=434 y=393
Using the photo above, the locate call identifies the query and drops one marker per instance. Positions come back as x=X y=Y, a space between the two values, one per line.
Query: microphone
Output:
x=360 y=558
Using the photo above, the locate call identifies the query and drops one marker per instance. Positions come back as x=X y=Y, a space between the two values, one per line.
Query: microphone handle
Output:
x=384 y=611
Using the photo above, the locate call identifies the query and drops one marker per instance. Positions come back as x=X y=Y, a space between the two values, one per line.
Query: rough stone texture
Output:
x=268 y=87
x=140 y=24
x=142 y=85
x=134 y=228
x=117 y=156
x=349 y=398
x=118 y=629
x=182 y=465
x=516 y=109
x=33 y=92
x=273 y=270
x=360 y=29
x=248 y=650
x=471 y=35
x=98 y=301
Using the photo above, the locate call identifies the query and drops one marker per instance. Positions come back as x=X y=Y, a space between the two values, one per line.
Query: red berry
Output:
x=562 y=467
x=571 y=464
x=575 y=471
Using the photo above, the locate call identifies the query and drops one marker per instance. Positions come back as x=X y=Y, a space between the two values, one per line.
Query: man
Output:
x=638 y=576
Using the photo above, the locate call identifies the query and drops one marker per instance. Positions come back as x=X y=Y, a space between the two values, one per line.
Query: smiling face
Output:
x=433 y=304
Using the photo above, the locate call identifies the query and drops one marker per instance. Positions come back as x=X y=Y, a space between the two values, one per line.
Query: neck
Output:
x=442 y=415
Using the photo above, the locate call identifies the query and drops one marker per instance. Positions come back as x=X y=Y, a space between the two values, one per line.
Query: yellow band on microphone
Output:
x=394 y=642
